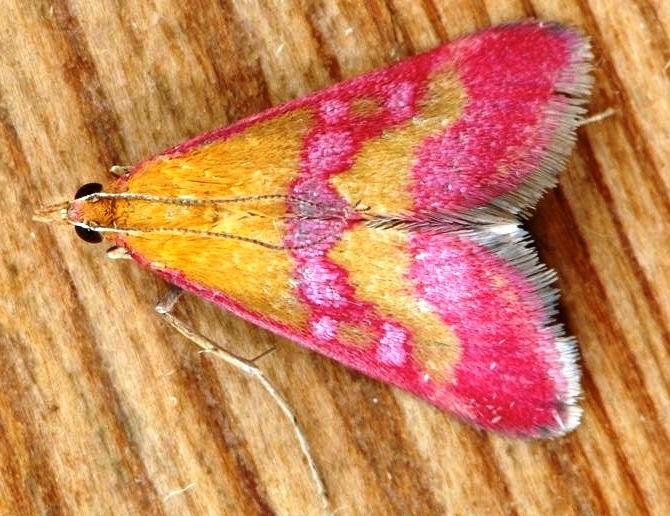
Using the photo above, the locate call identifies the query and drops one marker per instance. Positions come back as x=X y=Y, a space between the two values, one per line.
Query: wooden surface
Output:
x=105 y=410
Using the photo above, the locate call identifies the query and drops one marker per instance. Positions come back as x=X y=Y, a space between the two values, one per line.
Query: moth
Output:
x=379 y=222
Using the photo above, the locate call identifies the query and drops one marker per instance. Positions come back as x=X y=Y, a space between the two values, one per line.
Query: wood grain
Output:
x=104 y=410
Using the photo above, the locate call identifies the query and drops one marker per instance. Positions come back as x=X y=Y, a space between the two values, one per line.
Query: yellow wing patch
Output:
x=378 y=264
x=261 y=160
x=380 y=176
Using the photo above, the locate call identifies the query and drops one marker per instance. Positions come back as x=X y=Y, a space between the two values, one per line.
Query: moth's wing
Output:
x=442 y=316
x=486 y=121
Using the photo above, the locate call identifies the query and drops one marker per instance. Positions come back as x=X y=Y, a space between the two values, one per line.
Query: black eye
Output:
x=88 y=189
x=88 y=235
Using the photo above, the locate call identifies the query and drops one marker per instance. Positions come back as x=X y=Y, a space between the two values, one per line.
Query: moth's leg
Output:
x=119 y=170
x=164 y=308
